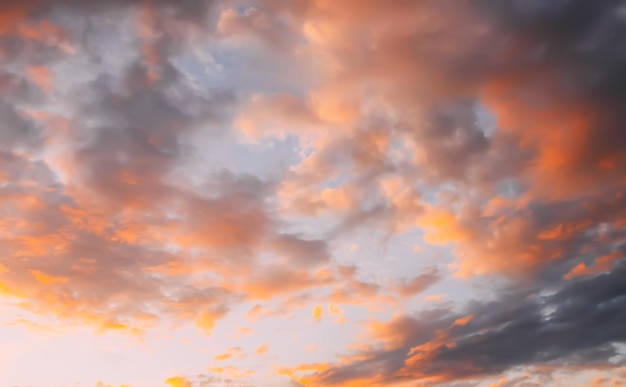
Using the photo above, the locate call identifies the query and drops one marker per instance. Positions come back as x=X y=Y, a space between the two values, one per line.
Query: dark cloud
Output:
x=576 y=325
x=577 y=44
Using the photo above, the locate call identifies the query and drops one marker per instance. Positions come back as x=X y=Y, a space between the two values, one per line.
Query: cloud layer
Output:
x=174 y=163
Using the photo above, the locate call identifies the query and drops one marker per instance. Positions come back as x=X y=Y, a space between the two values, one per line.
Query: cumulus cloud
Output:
x=97 y=183
x=537 y=197
x=553 y=131
x=489 y=128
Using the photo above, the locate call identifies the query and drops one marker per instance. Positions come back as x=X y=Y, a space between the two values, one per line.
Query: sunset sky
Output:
x=288 y=193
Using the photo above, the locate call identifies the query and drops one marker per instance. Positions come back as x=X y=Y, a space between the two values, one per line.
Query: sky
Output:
x=288 y=193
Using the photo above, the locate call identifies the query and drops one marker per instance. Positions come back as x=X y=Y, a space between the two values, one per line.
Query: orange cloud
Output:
x=178 y=381
x=563 y=135
x=318 y=312
x=601 y=264
x=232 y=372
x=256 y=312
x=46 y=279
x=12 y=15
x=443 y=227
x=262 y=349
x=272 y=281
x=41 y=76
x=233 y=352
x=207 y=320
x=306 y=367
x=463 y=320
x=224 y=356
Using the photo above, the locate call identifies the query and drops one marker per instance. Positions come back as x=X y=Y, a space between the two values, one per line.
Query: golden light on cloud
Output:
x=46 y=279
x=177 y=381
x=318 y=312
x=463 y=320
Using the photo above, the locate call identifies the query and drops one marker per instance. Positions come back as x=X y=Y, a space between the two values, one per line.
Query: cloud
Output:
x=552 y=136
x=262 y=349
x=300 y=252
x=115 y=201
x=184 y=9
x=104 y=199
x=519 y=329
x=601 y=264
x=463 y=320
x=492 y=128
x=203 y=381
x=178 y=381
x=318 y=312
x=418 y=284
x=233 y=352
x=272 y=281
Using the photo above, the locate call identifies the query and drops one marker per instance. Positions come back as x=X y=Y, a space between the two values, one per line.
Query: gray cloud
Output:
x=576 y=325
x=419 y=283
